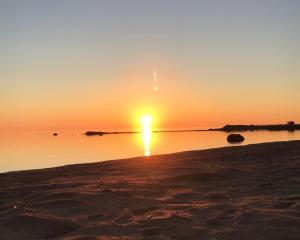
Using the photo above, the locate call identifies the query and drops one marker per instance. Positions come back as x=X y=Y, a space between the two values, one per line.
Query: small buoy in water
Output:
x=55 y=134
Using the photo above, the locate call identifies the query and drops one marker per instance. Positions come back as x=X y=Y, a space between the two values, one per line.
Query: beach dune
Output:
x=242 y=192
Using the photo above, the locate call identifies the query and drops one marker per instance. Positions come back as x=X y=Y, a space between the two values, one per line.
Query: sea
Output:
x=23 y=150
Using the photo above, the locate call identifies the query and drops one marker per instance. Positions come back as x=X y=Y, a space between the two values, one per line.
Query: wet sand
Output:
x=242 y=192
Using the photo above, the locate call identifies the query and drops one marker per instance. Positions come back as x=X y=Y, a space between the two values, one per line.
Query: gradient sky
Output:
x=89 y=64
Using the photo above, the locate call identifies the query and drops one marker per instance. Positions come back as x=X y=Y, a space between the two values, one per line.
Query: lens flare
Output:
x=155 y=79
x=146 y=121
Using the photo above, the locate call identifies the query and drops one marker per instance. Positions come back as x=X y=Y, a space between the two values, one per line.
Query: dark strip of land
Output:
x=100 y=133
x=227 y=128
x=275 y=127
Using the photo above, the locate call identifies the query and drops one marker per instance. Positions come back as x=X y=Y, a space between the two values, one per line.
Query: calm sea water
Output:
x=32 y=150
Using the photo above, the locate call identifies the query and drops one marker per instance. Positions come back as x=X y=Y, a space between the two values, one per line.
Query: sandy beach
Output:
x=240 y=192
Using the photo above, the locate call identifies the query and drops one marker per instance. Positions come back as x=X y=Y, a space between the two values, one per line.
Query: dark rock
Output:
x=55 y=134
x=235 y=138
x=92 y=133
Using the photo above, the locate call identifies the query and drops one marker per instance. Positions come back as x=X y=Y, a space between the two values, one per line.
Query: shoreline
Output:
x=236 y=192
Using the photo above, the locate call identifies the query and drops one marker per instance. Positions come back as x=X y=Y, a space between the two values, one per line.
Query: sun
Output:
x=146 y=120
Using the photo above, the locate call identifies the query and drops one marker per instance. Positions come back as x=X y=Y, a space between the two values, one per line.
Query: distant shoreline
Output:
x=100 y=133
x=227 y=128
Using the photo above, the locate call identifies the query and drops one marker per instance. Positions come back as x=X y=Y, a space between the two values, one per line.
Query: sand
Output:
x=243 y=192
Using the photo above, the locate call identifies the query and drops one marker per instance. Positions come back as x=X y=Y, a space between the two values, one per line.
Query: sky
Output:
x=93 y=64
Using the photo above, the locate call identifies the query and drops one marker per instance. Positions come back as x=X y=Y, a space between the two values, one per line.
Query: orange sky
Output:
x=175 y=104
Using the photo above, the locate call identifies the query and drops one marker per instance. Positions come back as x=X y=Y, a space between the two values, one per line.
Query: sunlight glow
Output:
x=146 y=121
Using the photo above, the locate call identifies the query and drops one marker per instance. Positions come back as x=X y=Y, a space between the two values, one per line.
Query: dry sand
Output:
x=245 y=192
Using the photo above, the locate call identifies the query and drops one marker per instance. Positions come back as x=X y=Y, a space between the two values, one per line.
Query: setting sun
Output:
x=146 y=120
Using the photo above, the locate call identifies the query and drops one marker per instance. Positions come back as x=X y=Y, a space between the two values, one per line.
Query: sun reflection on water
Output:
x=146 y=121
